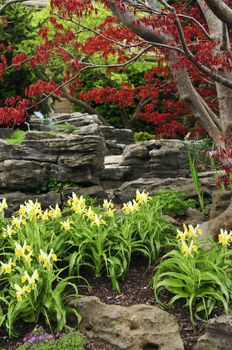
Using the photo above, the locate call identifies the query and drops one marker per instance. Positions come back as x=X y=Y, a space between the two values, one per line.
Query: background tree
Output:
x=18 y=34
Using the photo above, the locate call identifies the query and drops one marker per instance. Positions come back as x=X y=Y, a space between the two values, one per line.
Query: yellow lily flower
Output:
x=66 y=225
x=3 y=205
x=45 y=216
x=130 y=207
x=45 y=258
x=90 y=213
x=19 y=292
x=7 y=267
x=17 y=221
x=8 y=231
x=55 y=212
x=27 y=257
x=78 y=204
x=31 y=280
x=110 y=212
x=224 y=237
x=97 y=220
x=142 y=197
x=187 y=250
x=107 y=204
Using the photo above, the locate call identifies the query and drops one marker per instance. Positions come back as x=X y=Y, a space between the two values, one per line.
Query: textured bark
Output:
x=221 y=10
x=224 y=94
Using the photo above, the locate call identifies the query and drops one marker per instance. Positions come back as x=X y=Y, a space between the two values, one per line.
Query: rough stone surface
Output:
x=194 y=217
x=77 y=119
x=97 y=157
x=128 y=189
x=121 y=136
x=218 y=335
x=92 y=191
x=76 y=158
x=138 y=327
x=220 y=201
x=22 y=174
x=14 y=199
x=156 y=159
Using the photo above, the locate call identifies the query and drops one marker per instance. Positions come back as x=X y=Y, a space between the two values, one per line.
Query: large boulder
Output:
x=14 y=199
x=163 y=158
x=76 y=118
x=127 y=190
x=138 y=327
x=77 y=157
x=218 y=335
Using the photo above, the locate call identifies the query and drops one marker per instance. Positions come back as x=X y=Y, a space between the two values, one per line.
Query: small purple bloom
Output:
x=58 y=335
x=25 y=339
x=32 y=340
x=41 y=337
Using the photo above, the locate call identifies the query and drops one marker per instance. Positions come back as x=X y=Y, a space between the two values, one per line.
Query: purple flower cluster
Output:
x=43 y=336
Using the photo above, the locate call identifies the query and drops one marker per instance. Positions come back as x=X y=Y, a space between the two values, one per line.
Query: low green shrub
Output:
x=16 y=137
x=39 y=340
x=197 y=270
x=143 y=136
x=173 y=202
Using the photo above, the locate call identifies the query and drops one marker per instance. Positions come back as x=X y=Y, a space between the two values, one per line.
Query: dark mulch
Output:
x=134 y=290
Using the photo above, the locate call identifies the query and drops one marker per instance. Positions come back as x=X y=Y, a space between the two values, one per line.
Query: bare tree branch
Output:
x=140 y=106
x=84 y=105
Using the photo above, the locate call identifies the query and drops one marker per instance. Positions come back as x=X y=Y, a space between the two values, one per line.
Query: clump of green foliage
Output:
x=143 y=136
x=54 y=185
x=200 y=276
x=16 y=137
x=39 y=340
x=173 y=203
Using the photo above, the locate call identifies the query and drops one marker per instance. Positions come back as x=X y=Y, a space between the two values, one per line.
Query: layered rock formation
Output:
x=88 y=158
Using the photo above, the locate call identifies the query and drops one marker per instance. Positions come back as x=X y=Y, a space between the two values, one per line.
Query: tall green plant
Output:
x=196 y=181
x=202 y=277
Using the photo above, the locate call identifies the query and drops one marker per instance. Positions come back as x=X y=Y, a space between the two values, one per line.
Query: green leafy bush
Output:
x=198 y=271
x=143 y=136
x=173 y=203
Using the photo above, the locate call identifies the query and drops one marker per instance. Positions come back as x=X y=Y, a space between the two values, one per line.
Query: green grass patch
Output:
x=16 y=137
x=68 y=127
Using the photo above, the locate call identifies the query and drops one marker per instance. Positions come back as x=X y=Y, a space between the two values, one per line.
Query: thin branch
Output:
x=140 y=106
x=91 y=65
x=84 y=105
x=204 y=69
x=101 y=35
x=196 y=22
